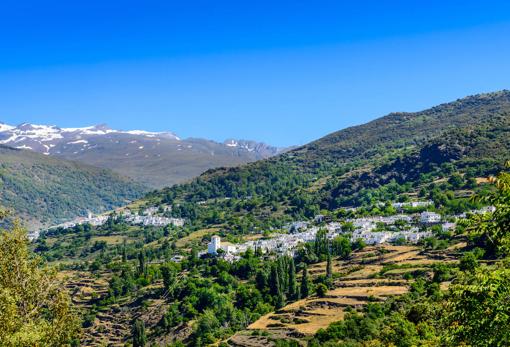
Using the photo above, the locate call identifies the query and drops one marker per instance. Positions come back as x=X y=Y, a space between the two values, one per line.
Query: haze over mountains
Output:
x=155 y=159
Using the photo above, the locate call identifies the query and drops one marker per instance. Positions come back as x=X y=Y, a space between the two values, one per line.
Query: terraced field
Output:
x=111 y=326
x=365 y=277
x=373 y=274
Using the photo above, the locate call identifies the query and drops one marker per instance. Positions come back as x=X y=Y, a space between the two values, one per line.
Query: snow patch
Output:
x=77 y=141
x=6 y=127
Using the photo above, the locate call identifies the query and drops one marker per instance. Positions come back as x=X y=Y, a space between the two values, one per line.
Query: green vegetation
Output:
x=473 y=312
x=35 y=309
x=46 y=190
x=435 y=154
x=150 y=282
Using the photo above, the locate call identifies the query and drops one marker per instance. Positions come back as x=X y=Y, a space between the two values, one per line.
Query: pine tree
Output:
x=292 y=286
x=305 y=289
x=139 y=335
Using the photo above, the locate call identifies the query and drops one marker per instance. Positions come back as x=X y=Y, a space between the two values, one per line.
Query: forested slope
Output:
x=345 y=167
x=42 y=189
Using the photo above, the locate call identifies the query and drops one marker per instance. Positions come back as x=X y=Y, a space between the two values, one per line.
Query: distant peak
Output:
x=5 y=127
x=102 y=127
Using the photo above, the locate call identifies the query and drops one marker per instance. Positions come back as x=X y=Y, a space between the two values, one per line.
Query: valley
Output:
x=357 y=238
x=254 y=174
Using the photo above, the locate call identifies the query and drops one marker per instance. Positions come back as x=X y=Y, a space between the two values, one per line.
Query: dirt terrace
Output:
x=359 y=280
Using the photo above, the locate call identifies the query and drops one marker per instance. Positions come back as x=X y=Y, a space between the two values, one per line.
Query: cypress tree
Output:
x=329 y=266
x=275 y=286
x=168 y=275
x=124 y=252
x=280 y=300
x=274 y=280
x=292 y=287
x=282 y=273
x=261 y=280
x=305 y=290
x=139 y=335
x=142 y=267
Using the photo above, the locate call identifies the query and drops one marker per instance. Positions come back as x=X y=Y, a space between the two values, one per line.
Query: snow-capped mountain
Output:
x=154 y=158
x=48 y=139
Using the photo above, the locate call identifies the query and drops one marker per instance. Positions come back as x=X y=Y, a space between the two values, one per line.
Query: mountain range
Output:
x=155 y=159
x=395 y=154
x=343 y=185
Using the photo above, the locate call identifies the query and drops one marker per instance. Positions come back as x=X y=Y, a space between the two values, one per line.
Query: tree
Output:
x=142 y=267
x=341 y=246
x=359 y=244
x=274 y=281
x=139 y=335
x=477 y=312
x=468 y=262
x=321 y=290
x=124 y=252
x=35 y=308
x=321 y=243
x=305 y=289
x=329 y=267
x=491 y=229
x=292 y=287
x=276 y=288
x=168 y=275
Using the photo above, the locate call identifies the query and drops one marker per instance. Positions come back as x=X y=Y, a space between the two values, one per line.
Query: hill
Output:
x=297 y=264
x=402 y=153
x=156 y=159
x=43 y=190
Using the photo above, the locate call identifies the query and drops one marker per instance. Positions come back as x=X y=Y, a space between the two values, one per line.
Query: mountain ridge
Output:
x=166 y=158
x=300 y=182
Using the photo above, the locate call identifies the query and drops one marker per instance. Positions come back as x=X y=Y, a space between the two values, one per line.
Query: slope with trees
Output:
x=44 y=190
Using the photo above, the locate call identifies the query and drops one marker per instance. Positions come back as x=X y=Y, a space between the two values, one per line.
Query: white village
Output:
x=374 y=230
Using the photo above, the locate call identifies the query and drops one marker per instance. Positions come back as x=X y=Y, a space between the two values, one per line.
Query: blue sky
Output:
x=283 y=72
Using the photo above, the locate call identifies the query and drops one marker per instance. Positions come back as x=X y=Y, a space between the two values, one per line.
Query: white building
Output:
x=414 y=204
x=448 y=226
x=430 y=217
x=214 y=245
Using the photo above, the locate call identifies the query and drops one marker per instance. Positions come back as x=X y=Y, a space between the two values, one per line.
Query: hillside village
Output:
x=149 y=217
x=341 y=177
x=375 y=230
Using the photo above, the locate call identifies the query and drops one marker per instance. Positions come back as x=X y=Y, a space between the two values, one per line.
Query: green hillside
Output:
x=401 y=153
x=42 y=190
x=132 y=281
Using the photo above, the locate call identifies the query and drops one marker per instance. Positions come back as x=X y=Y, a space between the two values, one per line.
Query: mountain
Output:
x=43 y=190
x=157 y=159
x=440 y=154
x=353 y=166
